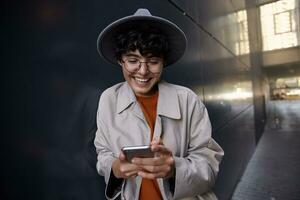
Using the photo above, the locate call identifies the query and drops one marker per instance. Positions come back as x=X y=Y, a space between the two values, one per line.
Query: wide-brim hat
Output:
x=106 y=43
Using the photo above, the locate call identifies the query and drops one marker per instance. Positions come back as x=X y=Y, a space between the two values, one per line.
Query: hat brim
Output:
x=106 y=43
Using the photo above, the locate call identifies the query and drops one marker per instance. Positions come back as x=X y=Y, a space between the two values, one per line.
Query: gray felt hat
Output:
x=106 y=42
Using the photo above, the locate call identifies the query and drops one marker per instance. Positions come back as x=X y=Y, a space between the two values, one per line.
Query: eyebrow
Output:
x=137 y=56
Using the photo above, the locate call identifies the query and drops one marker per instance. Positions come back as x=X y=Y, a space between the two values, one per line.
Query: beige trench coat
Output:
x=183 y=124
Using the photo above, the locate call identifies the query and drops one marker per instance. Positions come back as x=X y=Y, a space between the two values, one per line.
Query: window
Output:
x=242 y=44
x=280 y=21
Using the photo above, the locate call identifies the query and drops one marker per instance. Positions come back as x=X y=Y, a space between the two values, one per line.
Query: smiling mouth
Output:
x=141 y=80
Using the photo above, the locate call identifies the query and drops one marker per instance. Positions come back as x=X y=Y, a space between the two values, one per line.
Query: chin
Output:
x=142 y=92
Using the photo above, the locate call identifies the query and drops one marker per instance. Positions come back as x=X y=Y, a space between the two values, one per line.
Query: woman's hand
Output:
x=161 y=166
x=123 y=169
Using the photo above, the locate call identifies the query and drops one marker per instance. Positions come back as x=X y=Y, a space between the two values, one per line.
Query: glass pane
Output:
x=279 y=25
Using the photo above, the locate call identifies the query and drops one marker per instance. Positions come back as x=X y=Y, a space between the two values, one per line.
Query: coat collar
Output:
x=168 y=103
x=125 y=97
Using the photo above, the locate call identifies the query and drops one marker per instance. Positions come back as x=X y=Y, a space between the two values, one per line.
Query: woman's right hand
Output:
x=124 y=169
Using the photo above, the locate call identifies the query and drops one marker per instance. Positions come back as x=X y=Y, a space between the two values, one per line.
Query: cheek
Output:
x=158 y=76
x=125 y=74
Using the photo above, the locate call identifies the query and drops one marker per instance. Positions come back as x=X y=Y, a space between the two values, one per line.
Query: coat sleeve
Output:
x=196 y=172
x=106 y=157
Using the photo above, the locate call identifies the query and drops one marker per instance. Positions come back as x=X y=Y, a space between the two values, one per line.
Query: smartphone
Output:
x=143 y=151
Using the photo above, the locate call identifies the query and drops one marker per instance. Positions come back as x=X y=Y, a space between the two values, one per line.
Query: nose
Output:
x=143 y=68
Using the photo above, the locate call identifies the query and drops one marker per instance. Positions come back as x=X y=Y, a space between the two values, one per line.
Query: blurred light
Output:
x=237 y=95
x=293 y=92
x=287 y=82
x=239 y=91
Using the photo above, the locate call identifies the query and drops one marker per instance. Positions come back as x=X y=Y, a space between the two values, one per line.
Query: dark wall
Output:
x=52 y=77
x=217 y=72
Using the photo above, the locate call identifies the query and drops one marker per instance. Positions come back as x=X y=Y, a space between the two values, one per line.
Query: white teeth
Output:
x=141 y=80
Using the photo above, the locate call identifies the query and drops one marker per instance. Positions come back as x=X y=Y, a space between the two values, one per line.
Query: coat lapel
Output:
x=168 y=103
x=127 y=100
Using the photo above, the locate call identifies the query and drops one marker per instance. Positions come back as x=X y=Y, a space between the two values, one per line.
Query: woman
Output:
x=146 y=110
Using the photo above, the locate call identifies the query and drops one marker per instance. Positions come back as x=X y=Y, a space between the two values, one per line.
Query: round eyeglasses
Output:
x=133 y=65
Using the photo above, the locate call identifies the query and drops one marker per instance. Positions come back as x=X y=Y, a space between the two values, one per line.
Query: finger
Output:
x=155 y=169
x=161 y=149
x=131 y=174
x=148 y=175
x=129 y=169
x=148 y=161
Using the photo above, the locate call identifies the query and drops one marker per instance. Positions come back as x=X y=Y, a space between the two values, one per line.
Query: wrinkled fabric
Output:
x=182 y=123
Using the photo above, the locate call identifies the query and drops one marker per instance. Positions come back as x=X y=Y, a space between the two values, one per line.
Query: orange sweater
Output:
x=149 y=188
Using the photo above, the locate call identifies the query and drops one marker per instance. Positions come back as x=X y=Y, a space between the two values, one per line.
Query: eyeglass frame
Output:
x=160 y=60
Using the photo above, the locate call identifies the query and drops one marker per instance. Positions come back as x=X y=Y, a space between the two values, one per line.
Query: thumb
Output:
x=122 y=156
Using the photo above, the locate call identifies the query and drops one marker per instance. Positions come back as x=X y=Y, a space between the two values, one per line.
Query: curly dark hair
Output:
x=149 y=41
